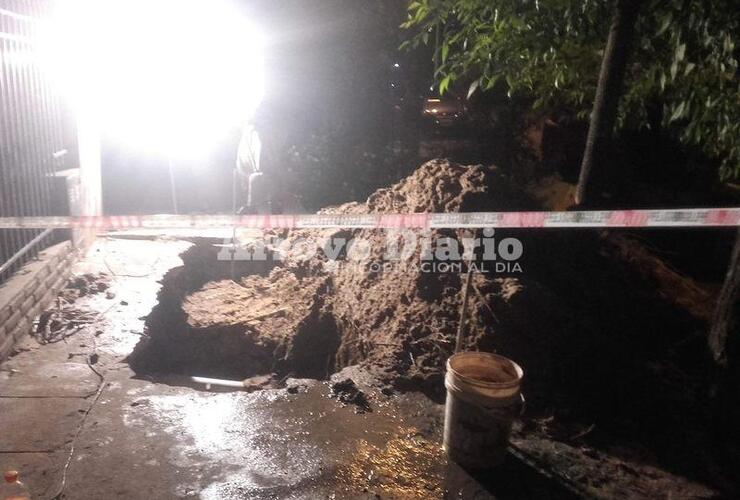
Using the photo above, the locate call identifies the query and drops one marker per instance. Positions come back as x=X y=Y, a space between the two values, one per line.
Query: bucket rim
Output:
x=481 y=383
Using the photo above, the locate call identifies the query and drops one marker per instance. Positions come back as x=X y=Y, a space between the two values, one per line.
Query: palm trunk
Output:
x=608 y=92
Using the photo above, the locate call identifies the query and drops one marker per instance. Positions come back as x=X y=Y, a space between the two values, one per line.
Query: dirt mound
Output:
x=310 y=318
x=577 y=318
x=310 y=315
x=400 y=323
x=443 y=186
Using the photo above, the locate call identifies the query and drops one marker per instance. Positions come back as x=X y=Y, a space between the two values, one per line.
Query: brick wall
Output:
x=31 y=290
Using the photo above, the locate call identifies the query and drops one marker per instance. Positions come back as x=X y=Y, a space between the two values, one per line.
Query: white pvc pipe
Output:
x=217 y=381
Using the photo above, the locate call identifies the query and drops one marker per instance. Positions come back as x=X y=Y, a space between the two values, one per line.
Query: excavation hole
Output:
x=267 y=320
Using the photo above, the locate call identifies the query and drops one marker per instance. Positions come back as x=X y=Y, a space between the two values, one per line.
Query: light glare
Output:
x=166 y=75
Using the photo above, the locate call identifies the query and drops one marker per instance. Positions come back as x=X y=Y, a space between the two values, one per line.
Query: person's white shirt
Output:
x=249 y=151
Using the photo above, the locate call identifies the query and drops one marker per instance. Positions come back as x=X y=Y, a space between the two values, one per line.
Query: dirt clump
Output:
x=85 y=284
x=347 y=392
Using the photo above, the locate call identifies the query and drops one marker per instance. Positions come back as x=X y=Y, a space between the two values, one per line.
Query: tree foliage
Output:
x=685 y=60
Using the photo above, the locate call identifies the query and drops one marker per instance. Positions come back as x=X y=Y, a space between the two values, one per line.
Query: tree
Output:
x=724 y=347
x=684 y=60
x=608 y=91
x=726 y=320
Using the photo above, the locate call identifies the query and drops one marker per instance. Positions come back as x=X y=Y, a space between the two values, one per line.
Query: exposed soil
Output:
x=85 y=284
x=347 y=392
x=609 y=356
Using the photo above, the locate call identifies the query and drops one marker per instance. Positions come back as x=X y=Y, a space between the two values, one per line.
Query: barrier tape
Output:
x=694 y=217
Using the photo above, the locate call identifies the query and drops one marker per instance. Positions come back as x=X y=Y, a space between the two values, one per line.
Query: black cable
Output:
x=98 y=393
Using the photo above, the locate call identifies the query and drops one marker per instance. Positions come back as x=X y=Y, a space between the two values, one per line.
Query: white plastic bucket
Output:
x=483 y=398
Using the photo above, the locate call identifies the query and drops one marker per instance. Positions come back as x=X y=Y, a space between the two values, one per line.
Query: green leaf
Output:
x=445 y=84
x=665 y=23
x=509 y=82
x=680 y=52
x=492 y=81
x=678 y=112
x=552 y=57
x=473 y=87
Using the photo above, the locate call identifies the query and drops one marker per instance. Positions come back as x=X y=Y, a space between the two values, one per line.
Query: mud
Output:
x=85 y=284
x=347 y=392
x=299 y=317
x=308 y=316
x=602 y=349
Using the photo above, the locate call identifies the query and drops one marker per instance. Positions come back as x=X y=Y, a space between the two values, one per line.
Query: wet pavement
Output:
x=78 y=423
x=170 y=438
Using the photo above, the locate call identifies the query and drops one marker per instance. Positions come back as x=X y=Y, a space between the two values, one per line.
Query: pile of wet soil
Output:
x=306 y=317
x=600 y=346
x=309 y=315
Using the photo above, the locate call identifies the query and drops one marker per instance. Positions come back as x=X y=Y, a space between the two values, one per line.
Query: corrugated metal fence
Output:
x=35 y=134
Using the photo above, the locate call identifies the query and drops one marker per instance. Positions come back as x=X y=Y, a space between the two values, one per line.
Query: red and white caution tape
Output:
x=691 y=217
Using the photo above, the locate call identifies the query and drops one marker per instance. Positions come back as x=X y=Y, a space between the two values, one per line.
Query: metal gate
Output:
x=37 y=139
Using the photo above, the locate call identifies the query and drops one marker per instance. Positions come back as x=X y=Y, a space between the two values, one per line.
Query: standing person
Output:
x=249 y=169
x=261 y=156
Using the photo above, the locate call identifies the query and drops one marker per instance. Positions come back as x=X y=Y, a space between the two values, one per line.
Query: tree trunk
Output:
x=608 y=92
x=724 y=345
x=726 y=319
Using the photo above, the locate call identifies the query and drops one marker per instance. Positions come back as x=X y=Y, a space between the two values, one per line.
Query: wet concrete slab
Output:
x=38 y=424
x=33 y=379
x=37 y=470
x=267 y=444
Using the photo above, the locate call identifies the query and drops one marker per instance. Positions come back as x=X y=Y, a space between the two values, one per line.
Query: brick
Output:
x=13 y=320
x=28 y=305
x=38 y=294
x=48 y=296
x=23 y=328
x=55 y=289
x=50 y=280
x=30 y=299
x=47 y=300
x=6 y=345
x=35 y=311
x=53 y=261
x=42 y=273
x=30 y=287
x=17 y=297
x=5 y=313
x=59 y=283
x=69 y=261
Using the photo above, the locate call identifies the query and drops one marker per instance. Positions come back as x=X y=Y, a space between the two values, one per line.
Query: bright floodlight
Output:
x=170 y=75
